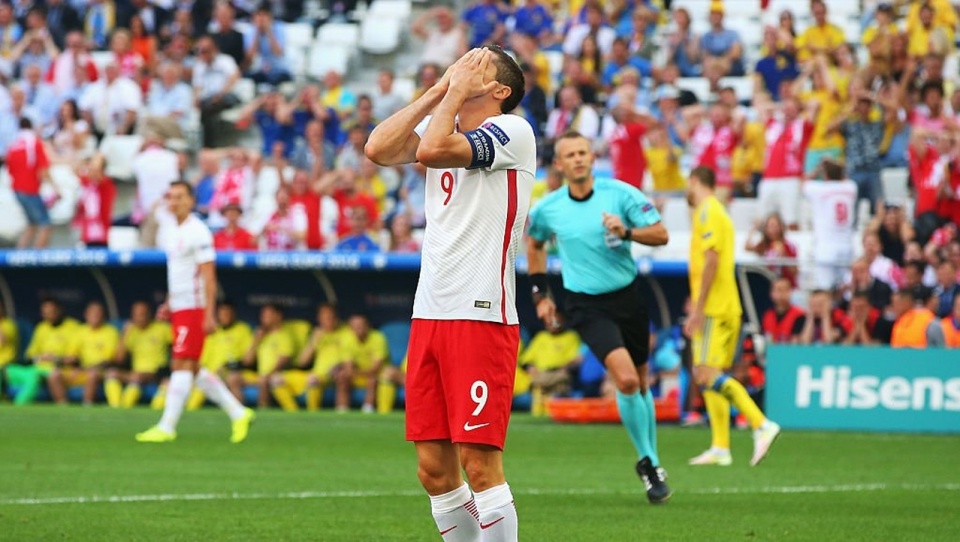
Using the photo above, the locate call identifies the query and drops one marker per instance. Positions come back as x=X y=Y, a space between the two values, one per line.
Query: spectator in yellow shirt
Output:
x=369 y=353
x=824 y=103
x=549 y=360
x=927 y=34
x=92 y=352
x=271 y=351
x=822 y=38
x=49 y=346
x=145 y=350
x=943 y=13
x=663 y=161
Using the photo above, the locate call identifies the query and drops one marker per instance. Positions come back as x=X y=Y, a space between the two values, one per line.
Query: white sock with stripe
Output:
x=498 y=515
x=456 y=515
x=215 y=390
x=181 y=382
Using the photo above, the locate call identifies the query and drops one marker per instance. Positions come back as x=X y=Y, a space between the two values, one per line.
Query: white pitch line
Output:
x=305 y=495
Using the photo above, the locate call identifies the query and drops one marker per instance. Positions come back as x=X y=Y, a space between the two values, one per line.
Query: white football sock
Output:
x=215 y=390
x=181 y=382
x=498 y=515
x=456 y=515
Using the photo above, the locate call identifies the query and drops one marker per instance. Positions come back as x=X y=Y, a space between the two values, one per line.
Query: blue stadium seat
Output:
x=398 y=335
x=25 y=331
x=522 y=402
x=525 y=336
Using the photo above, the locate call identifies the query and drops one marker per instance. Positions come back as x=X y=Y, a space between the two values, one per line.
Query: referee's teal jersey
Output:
x=594 y=260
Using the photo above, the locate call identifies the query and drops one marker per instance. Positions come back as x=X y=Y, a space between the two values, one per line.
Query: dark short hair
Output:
x=917 y=266
x=273 y=307
x=187 y=186
x=25 y=123
x=832 y=170
x=783 y=279
x=819 y=291
x=508 y=74
x=705 y=175
x=862 y=294
x=52 y=300
x=569 y=134
x=934 y=84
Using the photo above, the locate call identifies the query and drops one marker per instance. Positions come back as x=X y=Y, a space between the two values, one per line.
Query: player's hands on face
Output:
x=444 y=82
x=469 y=74
x=614 y=225
x=694 y=323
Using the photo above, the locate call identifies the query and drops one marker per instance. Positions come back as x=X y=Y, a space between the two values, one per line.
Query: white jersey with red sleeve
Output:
x=475 y=220
x=188 y=245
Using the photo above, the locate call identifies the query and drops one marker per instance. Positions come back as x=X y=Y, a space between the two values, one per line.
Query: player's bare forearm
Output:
x=441 y=147
x=653 y=236
x=711 y=259
x=209 y=275
x=393 y=141
x=536 y=257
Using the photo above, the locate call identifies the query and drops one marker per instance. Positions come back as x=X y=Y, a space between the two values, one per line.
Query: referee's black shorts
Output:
x=617 y=319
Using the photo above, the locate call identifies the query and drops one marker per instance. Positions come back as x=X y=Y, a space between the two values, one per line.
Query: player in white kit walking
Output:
x=192 y=294
x=465 y=333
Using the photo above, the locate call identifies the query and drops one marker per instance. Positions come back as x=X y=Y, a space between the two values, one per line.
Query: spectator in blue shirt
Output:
x=778 y=67
x=209 y=162
x=721 y=46
x=267 y=112
x=619 y=59
x=169 y=103
x=357 y=239
x=485 y=20
x=533 y=19
x=265 y=49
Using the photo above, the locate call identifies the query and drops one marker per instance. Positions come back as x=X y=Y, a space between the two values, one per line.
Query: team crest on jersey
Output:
x=647 y=208
x=482 y=304
x=497 y=132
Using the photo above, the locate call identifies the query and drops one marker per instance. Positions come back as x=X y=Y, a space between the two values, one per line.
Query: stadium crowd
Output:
x=847 y=138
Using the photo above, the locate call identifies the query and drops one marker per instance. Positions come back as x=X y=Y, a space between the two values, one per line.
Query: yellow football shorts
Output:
x=715 y=345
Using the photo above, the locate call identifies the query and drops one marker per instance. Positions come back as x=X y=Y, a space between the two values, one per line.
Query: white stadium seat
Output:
x=245 y=90
x=345 y=34
x=894 y=181
x=380 y=35
x=404 y=87
x=298 y=35
x=268 y=181
x=398 y=10
x=676 y=215
x=119 y=152
x=697 y=85
x=102 y=58
x=742 y=86
x=12 y=219
x=123 y=238
x=324 y=58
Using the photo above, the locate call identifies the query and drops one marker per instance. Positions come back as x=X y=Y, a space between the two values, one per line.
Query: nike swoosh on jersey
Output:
x=468 y=427
x=491 y=524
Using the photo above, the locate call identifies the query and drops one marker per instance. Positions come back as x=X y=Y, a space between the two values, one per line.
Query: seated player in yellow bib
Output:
x=93 y=351
x=146 y=342
x=391 y=379
x=368 y=355
x=714 y=324
x=271 y=352
x=320 y=362
x=548 y=360
x=223 y=351
x=49 y=346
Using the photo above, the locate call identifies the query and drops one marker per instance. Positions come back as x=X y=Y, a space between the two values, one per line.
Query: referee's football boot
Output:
x=655 y=481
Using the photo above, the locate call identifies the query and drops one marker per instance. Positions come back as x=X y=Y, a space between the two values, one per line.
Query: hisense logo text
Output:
x=836 y=387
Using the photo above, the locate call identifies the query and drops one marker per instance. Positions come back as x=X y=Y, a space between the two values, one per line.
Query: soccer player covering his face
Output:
x=714 y=324
x=465 y=333
x=594 y=221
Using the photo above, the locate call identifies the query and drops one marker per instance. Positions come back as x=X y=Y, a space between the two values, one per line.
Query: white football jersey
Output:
x=187 y=245
x=475 y=220
x=832 y=204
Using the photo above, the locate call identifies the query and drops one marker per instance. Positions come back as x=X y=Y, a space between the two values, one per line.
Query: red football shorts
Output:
x=460 y=376
x=188 y=334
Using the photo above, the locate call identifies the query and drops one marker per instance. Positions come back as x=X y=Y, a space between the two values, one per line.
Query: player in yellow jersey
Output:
x=270 y=353
x=223 y=350
x=92 y=352
x=9 y=344
x=320 y=362
x=48 y=347
x=369 y=353
x=391 y=378
x=550 y=360
x=146 y=342
x=714 y=324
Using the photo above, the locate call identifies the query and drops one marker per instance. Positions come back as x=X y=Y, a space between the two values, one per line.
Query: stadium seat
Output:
x=894 y=181
x=101 y=59
x=296 y=58
x=12 y=219
x=697 y=85
x=742 y=86
x=267 y=182
x=676 y=215
x=25 y=334
x=555 y=60
x=245 y=90
x=342 y=34
x=324 y=58
x=397 y=10
x=404 y=87
x=380 y=35
x=398 y=335
x=298 y=35
x=744 y=211
x=123 y=238
x=120 y=152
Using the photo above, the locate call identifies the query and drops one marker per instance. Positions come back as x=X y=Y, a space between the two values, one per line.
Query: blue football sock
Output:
x=633 y=415
x=652 y=427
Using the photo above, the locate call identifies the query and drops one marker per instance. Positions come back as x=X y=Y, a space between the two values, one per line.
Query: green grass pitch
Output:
x=327 y=477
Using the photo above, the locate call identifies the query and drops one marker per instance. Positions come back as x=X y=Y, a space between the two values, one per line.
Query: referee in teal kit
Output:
x=593 y=221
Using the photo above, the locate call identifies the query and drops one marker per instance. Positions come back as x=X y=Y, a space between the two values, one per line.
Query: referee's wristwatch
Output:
x=627 y=234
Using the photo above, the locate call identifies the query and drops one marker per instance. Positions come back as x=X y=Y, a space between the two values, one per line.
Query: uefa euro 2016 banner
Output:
x=860 y=388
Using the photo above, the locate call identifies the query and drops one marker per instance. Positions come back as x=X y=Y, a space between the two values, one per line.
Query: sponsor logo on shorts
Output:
x=468 y=427
x=482 y=304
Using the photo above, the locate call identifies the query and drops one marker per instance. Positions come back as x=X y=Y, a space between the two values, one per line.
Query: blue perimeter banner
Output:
x=294 y=260
x=864 y=388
